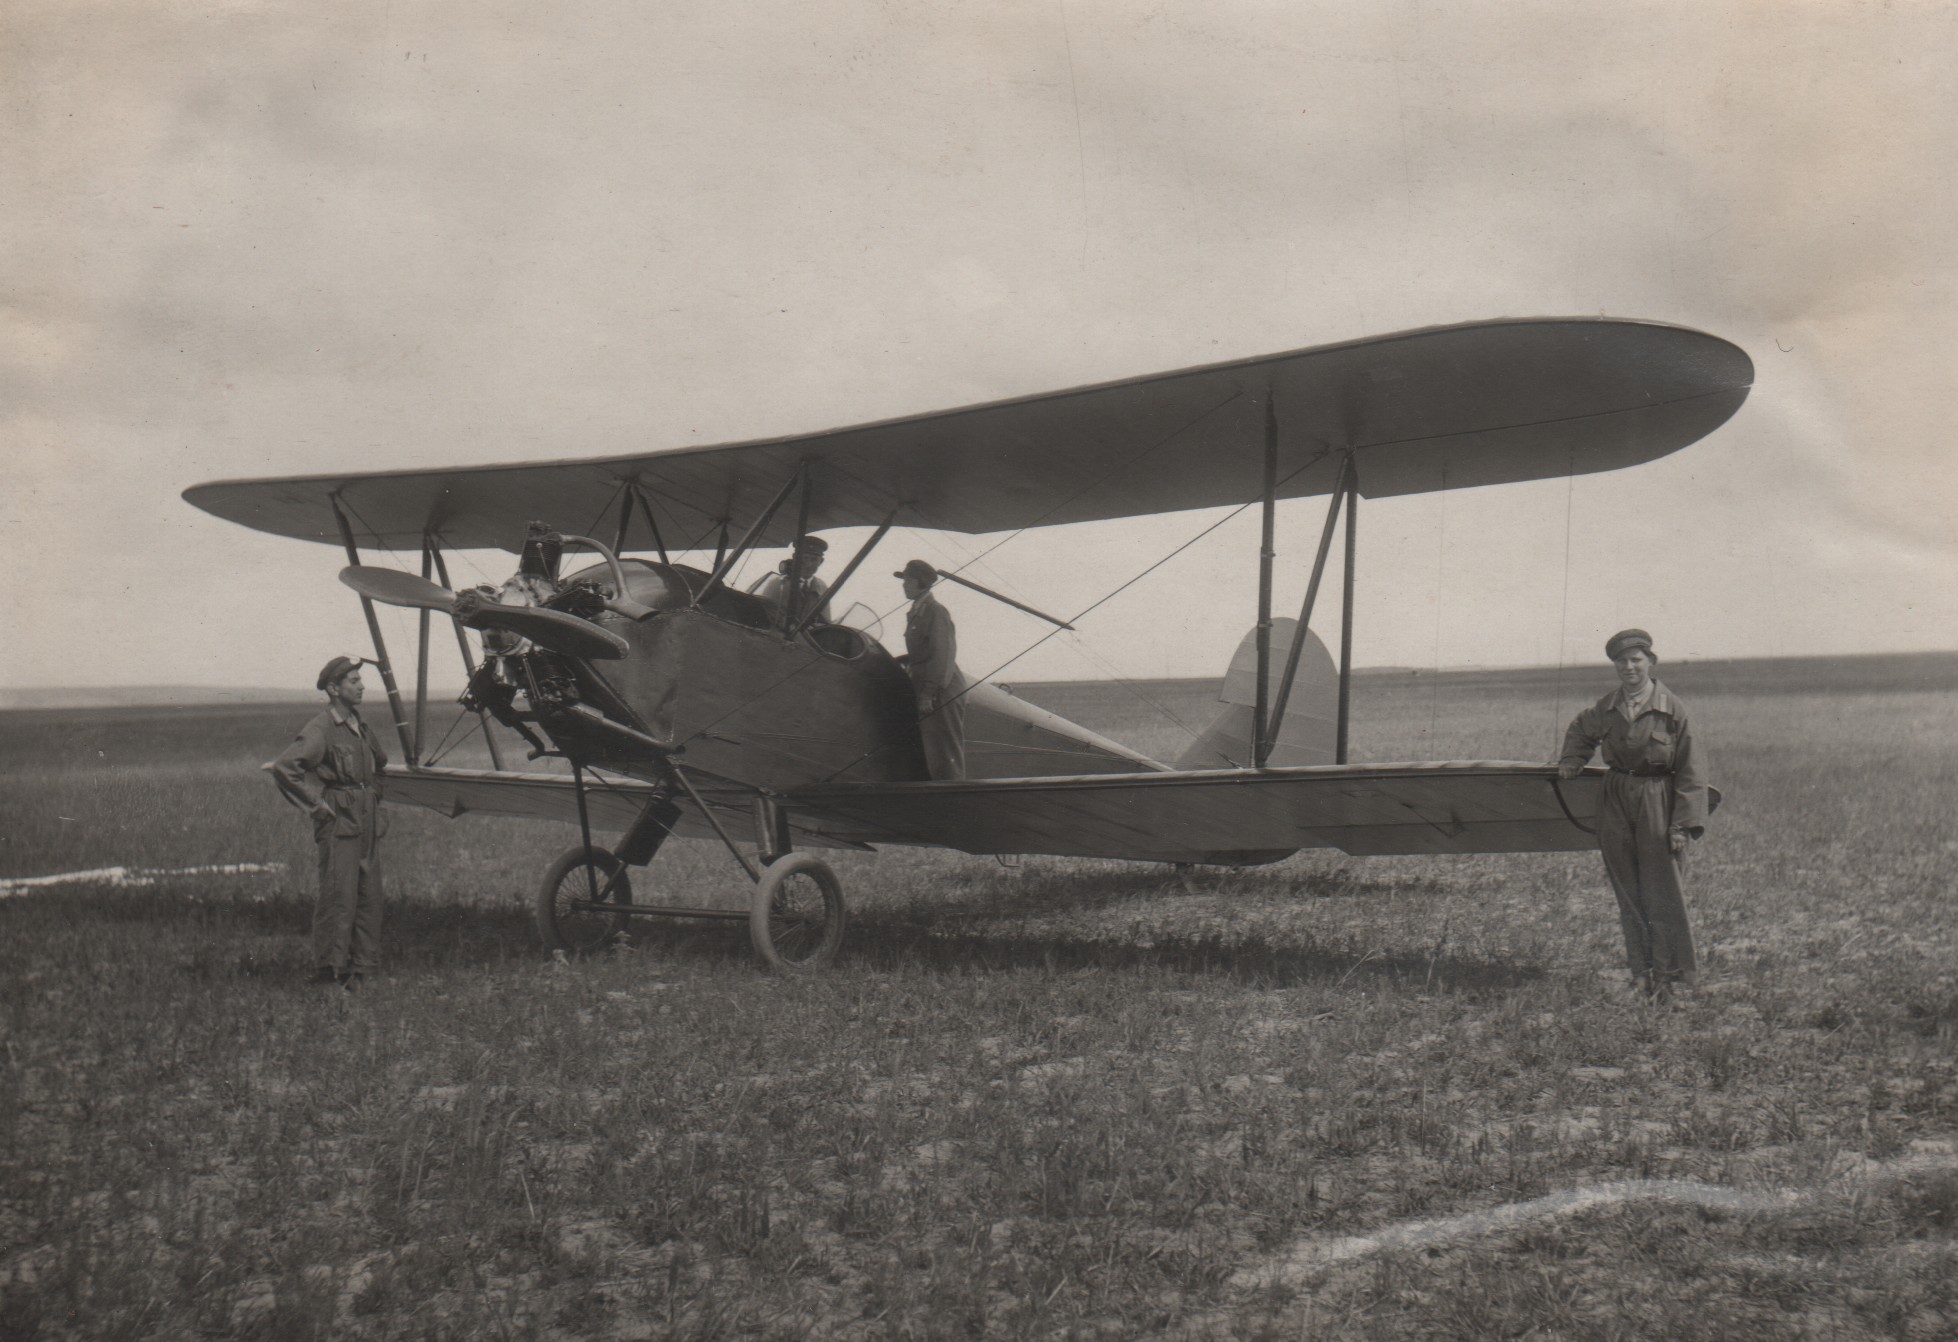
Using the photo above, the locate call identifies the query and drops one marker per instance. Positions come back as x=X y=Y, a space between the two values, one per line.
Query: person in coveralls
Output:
x=332 y=771
x=1656 y=802
x=931 y=653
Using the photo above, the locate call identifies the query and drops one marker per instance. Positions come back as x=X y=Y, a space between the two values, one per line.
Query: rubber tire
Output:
x=579 y=933
x=801 y=953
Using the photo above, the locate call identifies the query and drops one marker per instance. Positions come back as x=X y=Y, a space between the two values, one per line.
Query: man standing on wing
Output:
x=332 y=771
x=931 y=650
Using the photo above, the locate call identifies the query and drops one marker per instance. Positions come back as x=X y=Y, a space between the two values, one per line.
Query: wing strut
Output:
x=1346 y=604
x=848 y=569
x=380 y=646
x=792 y=597
x=645 y=506
x=1340 y=487
x=1261 y=727
x=468 y=661
x=625 y=520
x=421 y=656
x=729 y=558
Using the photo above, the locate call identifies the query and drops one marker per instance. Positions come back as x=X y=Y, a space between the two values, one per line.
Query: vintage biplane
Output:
x=686 y=707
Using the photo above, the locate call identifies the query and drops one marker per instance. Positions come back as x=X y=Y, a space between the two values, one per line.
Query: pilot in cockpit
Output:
x=806 y=557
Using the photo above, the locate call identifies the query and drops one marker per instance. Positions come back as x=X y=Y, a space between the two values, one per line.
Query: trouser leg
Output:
x=944 y=738
x=1662 y=891
x=1649 y=881
x=333 y=910
x=1619 y=846
x=365 y=939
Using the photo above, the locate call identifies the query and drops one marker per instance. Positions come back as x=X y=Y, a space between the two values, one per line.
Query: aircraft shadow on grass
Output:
x=423 y=936
x=1255 y=963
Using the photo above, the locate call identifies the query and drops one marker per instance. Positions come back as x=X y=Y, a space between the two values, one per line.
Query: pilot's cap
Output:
x=333 y=670
x=1624 y=639
x=811 y=545
x=920 y=570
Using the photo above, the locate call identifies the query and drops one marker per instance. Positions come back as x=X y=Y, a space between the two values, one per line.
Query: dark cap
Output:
x=814 y=545
x=335 y=669
x=920 y=570
x=1624 y=639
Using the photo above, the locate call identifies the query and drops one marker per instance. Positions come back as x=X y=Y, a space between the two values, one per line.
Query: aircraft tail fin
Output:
x=1307 y=735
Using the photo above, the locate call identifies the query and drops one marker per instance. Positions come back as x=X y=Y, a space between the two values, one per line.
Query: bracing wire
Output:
x=1099 y=601
x=448 y=742
x=1441 y=574
x=1125 y=464
x=1128 y=463
x=1563 y=616
x=1082 y=647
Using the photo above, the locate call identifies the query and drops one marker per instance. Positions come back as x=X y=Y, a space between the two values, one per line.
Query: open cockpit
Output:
x=664 y=587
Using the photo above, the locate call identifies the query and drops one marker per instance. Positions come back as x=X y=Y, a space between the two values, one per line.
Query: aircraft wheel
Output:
x=580 y=931
x=796 y=921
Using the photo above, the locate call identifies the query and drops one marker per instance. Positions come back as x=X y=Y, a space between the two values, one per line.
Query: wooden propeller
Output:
x=564 y=634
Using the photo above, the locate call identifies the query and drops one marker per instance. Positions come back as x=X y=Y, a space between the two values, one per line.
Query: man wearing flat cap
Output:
x=931 y=651
x=805 y=557
x=1656 y=801
x=332 y=771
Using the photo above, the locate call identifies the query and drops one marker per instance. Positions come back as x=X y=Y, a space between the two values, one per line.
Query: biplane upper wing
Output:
x=1226 y=815
x=1446 y=407
x=612 y=802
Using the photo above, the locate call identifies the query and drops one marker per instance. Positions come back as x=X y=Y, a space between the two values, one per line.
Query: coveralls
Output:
x=1657 y=787
x=931 y=646
x=335 y=759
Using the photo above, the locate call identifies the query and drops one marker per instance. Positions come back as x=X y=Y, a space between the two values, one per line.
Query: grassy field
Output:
x=1331 y=1098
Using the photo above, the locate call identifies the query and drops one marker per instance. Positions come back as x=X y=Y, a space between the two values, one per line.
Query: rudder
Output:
x=1309 y=732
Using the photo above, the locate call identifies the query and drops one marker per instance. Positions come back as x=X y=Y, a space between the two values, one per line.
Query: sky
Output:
x=247 y=239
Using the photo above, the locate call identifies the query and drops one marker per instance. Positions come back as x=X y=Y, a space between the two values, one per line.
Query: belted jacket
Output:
x=1657 y=743
x=335 y=760
x=931 y=646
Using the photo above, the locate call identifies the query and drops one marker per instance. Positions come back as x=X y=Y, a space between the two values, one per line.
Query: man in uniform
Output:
x=332 y=772
x=804 y=559
x=1656 y=800
x=931 y=650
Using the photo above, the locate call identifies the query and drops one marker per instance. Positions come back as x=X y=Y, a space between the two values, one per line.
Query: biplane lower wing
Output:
x=1225 y=815
x=1216 y=815
x=611 y=802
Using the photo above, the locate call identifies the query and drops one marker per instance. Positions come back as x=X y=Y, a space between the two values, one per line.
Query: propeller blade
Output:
x=561 y=633
x=392 y=587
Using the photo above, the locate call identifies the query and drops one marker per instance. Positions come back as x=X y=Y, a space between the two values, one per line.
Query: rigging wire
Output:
x=448 y=742
x=1441 y=570
x=932 y=523
x=1075 y=642
x=1563 y=616
x=1232 y=515
x=1127 y=463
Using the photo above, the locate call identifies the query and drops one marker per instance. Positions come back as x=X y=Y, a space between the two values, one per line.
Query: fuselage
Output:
x=724 y=685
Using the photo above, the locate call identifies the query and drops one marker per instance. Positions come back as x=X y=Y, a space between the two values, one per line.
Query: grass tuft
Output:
x=1323 y=1098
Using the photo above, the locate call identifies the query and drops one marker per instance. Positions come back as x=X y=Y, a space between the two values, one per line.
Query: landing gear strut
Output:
x=795 y=920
